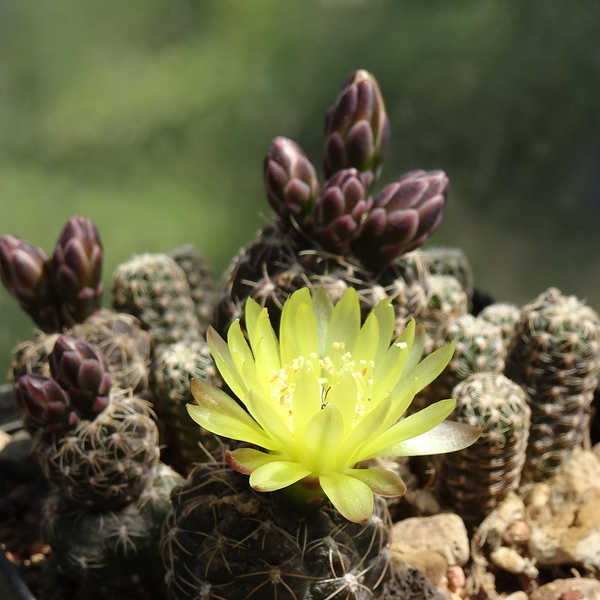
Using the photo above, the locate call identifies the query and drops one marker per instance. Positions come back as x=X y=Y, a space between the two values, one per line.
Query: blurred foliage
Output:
x=151 y=117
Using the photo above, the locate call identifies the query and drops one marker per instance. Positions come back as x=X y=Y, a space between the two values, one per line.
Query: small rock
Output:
x=517 y=596
x=456 y=578
x=588 y=589
x=510 y=560
x=445 y=533
x=493 y=529
x=433 y=564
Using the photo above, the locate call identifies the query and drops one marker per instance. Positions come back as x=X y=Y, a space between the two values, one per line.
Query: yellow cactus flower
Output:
x=324 y=396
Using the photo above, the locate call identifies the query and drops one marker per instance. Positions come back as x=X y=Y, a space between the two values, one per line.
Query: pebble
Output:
x=575 y=588
x=445 y=534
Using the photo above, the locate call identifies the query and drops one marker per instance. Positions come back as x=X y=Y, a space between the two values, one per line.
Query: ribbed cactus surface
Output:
x=153 y=288
x=224 y=541
x=475 y=480
x=555 y=357
x=106 y=462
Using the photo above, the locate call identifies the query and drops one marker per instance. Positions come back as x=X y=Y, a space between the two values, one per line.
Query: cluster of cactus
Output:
x=60 y=290
x=86 y=385
x=98 y=448
x=339 y=235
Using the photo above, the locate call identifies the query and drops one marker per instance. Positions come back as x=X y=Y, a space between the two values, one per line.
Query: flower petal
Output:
x=432 y=365
x=288 y=341
x=246 y=460
x=222 y=415
x=344 y=395
x=323 y=309
x=381 y=481
x=367 y=341
x=323 y=436
x=345 y=322
x=413 y=426
x=448 y=436
x=416 y=349
x=266 y=349
x=271 y=421
x=224 y=361
x=386 y=317
x=351 y=450
x=307 y=335
x=251 y=312
x=240 y=351
x=277 y=474
x=306 y=401
x=352 y=498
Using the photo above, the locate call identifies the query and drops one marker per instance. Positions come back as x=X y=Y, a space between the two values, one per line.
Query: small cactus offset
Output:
x=123 y=343
x=448 y=261
x=106 y=462
x=173 y=370
x=475 y=480
x=504 y=315
x=555 y=358
x=224 y=541
x=154 y=289
x=479 y=349
x=446 y=301
x=201 y=279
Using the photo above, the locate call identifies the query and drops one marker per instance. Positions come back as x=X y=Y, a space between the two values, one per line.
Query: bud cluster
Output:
x=60 y=290
x=78 y=389
x=342 y=218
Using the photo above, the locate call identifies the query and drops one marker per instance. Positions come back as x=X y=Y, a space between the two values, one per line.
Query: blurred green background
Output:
x=152 y=117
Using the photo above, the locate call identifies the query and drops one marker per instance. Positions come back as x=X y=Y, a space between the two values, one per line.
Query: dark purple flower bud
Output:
x=77 y=263
x=404 y=214
x=81 y=370
x=27 y=274
x=357 y=129
x=340 y=212
x=291 y=181
x=45 y=404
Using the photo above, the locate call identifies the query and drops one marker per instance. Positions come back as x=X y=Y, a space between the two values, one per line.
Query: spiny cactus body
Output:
x=555 y=357
x=173 y=369
x=106 y=462
x=446 y=301
x=504 y=315
x=201 y=279
x=154 y=289
x=479 y=349
x=100 y=546
x=475 y=480
x=224 y=541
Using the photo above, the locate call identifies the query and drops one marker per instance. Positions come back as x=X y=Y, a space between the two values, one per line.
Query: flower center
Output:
x=331 y=367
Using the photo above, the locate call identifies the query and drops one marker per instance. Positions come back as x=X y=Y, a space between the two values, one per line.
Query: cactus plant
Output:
x=475 y=480
x=555 y=357
x=173 y=370
x=201 y=279
x=223 y=540
x=154 y=289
